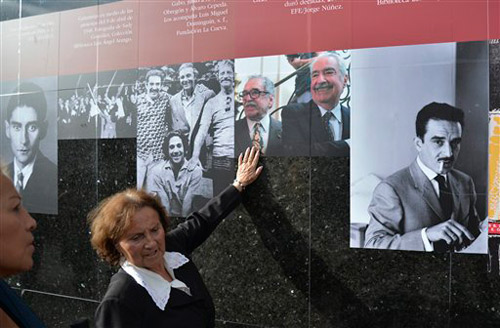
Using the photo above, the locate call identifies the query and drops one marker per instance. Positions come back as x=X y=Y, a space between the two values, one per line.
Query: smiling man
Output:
x=217 y=129
x=171 y=181
x=258 y=128
x=322 y=126
x=152 y=110
x=33 y=174
x=188 y=104
x=429 y=205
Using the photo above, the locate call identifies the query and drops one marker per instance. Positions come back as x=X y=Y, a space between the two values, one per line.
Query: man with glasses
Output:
x=258 y=128
x=320 y=127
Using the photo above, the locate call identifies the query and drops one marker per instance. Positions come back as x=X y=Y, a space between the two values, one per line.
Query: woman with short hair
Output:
x=158 y=285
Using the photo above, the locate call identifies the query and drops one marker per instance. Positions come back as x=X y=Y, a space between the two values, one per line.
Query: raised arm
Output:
x=199 y=225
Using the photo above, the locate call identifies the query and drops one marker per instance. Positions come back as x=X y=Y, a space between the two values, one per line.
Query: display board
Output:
x=181 y=86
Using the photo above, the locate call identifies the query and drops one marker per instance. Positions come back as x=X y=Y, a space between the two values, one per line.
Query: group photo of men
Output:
x=29 y=141
x=419 y=155
x=304 y=110
x=185 y=133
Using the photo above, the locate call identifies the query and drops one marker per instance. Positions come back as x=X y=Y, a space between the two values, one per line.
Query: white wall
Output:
x=390 y=85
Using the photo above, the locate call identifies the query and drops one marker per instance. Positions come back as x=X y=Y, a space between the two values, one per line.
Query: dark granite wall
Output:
x=281 y=260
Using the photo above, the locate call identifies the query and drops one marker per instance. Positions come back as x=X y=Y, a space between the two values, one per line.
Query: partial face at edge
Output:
x=16 y=226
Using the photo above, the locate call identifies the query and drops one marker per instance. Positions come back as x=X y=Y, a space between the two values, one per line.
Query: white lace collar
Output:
x=157 y=287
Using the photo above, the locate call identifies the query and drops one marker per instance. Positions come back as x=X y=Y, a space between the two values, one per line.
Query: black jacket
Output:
x=127 y=304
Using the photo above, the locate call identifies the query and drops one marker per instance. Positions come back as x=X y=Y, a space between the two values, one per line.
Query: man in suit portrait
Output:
x=33 y=174
x=320 y=127
x=258 y=128
x=429 y=205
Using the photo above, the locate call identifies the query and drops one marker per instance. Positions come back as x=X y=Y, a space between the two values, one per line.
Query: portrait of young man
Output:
x=429 y=205
x=419 y=156
x=25 y=124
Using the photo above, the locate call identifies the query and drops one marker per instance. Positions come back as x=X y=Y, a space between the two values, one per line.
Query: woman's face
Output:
x=16 y=226
x=143 y=243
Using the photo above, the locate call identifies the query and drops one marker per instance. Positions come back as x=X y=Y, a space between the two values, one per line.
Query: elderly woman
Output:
x=16 y=251
x=158 y=285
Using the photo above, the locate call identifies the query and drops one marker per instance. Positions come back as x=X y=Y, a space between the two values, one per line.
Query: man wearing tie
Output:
x=429 y=205
x=33 y=174
x=322 y=126
x=258 y=128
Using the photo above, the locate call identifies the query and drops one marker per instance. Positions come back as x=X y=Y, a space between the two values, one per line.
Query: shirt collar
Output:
x=157 y=287
x=430 y=174
x=184 y=166
x=335 y=111
x=264 y=123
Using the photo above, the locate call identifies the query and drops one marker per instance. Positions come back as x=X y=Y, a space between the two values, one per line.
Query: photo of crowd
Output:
x=98 y=106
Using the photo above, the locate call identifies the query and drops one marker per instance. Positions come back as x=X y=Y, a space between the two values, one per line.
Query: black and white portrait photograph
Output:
x=185 y=132
x=295 y=104
x=420 y=148
x=98 y=106
x=29 y=141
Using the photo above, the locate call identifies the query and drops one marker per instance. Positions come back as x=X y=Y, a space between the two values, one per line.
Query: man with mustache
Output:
x=172 y=181
x=258 y=128
x=33 y=174
x=320 y=127
x=217 y=129
x=429 y=205
x=188 y=105
x=152 y=110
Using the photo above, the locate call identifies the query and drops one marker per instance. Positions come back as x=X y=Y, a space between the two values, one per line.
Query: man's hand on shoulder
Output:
x=452 y=232
x=193 y=163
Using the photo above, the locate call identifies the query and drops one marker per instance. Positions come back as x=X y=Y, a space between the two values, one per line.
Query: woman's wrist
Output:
x=238 y=185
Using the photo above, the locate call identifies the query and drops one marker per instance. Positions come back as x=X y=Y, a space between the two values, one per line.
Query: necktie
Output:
x=326 y=122
x=257 y=141
x=445 y=197
x=19 y=184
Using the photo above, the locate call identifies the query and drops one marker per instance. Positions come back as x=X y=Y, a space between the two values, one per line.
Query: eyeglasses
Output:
x=254 y=93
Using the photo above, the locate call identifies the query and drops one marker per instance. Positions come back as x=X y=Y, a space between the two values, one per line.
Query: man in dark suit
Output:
x=322 y=126
x=33 y=174
x=258 y=128
x=428 y=205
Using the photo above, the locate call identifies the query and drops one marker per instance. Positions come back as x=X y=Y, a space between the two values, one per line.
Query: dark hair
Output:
x=437 y=111
x=112 y=217
x=30 y=95
x=154 y=72
x=170 y=135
